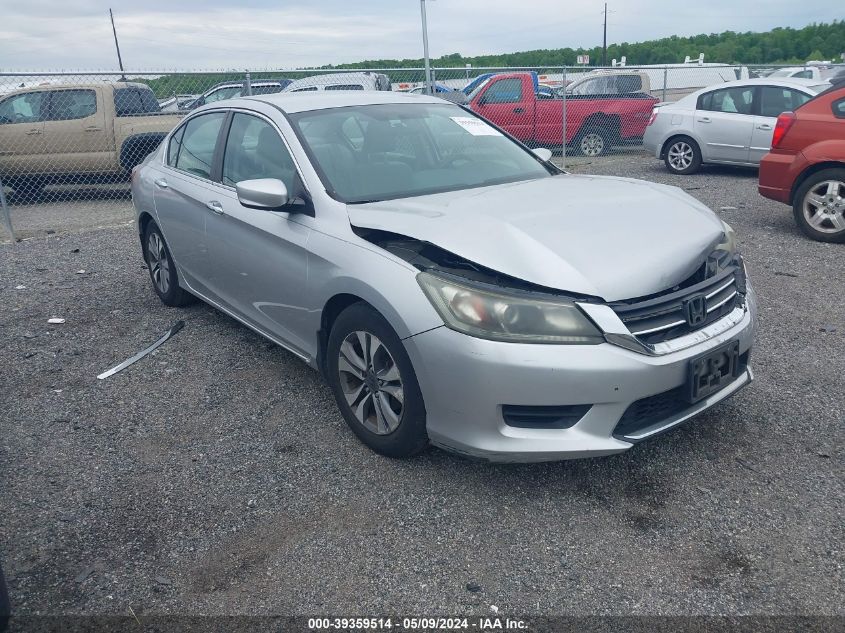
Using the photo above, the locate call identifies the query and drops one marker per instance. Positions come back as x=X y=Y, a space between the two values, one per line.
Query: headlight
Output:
x=500 y=315
x=729 y=244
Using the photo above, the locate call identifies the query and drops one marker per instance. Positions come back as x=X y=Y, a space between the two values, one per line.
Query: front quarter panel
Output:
x=337 y=266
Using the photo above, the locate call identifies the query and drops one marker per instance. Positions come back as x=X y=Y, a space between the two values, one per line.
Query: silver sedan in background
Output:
x=730 y=124
x=452 y=286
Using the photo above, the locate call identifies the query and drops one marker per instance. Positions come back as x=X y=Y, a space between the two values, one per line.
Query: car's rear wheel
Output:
x=374 y=383
x=682 y=156
x=593 y=141
x=162 y=269
x=819 y=206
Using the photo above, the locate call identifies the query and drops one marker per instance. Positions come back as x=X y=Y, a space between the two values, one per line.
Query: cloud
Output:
x=158 y=34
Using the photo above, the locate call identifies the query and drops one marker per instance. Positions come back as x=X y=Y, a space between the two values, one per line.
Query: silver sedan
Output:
x=452 y=286
x=730 y=124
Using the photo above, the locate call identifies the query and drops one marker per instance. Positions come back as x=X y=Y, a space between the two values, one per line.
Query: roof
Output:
x=322 y=99
x=86 y=86
x=788 y=82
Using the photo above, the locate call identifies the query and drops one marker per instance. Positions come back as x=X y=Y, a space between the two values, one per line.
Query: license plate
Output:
x=713 y=371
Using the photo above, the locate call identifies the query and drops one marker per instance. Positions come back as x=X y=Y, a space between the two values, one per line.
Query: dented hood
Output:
x=614 y=238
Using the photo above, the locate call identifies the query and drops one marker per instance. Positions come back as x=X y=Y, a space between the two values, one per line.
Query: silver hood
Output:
x=614 y=238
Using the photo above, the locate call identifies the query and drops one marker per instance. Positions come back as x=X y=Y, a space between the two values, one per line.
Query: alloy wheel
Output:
x=681 y=155
x=592 y=144
x=158 y=262
x=371 y=383
x=824 y=206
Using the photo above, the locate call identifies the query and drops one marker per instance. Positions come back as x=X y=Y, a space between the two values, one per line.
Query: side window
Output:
x=804 y=74
x=175 y=144
x=629 y=83
x=198 y=142
x=504 y=91
x=839 y=109
x=66 y=105
x=22 y=108
x=346 y=87
x=266 y=90
x=254 y=149
x=305 y=89
x=729 y=100
x=774 y=100
x=131 y=100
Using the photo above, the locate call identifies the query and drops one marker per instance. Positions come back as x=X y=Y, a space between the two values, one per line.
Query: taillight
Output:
x=652 y=117
x=785 y=122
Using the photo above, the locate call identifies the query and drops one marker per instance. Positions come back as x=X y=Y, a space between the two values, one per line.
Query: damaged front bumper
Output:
x=483 y=397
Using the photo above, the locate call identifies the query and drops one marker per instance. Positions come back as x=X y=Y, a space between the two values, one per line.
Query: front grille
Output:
x=664 y=317
x=533 y=417
x=661 y=407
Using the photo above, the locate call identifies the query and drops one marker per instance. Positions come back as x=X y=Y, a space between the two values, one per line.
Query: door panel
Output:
x=22 y=145
x=724 y=121
x=508 y=103
x=259 y=258
x=726 y=136
x=75 y=133
x=761 y=138
x=182 y=189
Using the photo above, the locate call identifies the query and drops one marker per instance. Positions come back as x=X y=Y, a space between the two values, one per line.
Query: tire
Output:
x=162 y=269
x=594 y=141
x=682 y=155
x=377 y=391
x=819 y=206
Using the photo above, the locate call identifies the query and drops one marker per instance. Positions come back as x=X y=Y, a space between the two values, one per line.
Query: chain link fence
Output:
x=73 y=138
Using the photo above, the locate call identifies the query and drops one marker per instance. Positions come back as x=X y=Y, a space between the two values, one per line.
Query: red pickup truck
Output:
x=594 y=122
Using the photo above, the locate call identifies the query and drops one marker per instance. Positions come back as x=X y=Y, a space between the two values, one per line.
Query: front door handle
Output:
x=215 y=206
x=161 y=183
x=518 y=110
x=704 y=119
x=765 y=126
x=31 y=132
x=93 y=128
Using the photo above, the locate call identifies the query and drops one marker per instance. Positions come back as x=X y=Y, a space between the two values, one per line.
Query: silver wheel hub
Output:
x=158 y=262
x=824 y=206
x=371 y=383
x=681 y=155
x=592 y=144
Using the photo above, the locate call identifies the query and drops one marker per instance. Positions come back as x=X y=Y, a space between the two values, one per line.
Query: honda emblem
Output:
x=695 y=310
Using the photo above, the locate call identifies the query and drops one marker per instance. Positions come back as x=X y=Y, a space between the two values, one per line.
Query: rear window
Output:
x=129 y=101
x=346 y=87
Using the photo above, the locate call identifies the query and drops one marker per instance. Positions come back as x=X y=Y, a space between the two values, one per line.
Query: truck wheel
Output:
x=593 y=141
x=682 y=155
x=819 y=206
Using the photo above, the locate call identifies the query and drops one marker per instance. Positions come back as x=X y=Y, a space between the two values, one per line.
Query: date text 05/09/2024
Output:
x=417 y=624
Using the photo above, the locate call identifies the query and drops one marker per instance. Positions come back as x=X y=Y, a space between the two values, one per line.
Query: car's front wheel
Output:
x=374 y=383
x=819 y=206
x=162 y=269
x=682 y=156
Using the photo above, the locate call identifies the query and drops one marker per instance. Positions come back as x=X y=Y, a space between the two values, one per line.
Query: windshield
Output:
x=380 y=152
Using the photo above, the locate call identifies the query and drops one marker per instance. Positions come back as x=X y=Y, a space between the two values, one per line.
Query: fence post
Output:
x=563 y=146
x=665 y=81
x=4 y=209
x=247 y=85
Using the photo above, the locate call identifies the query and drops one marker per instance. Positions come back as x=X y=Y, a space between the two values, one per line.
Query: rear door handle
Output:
x=31 y=132
x=765 y=126
x=161 y=183
x=215 y=206
x=93 y=128
x=704 y=119
x=518 y=110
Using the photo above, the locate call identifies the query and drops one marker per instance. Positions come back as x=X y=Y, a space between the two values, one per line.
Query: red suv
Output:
x=806 y=166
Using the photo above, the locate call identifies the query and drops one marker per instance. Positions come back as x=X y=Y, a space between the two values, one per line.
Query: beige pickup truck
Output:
x=61 y=133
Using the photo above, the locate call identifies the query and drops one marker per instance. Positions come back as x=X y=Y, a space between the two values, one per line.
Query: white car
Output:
x=731 y=123
x=340 y=81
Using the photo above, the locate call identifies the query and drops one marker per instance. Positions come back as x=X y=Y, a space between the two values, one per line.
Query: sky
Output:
x=261 y=34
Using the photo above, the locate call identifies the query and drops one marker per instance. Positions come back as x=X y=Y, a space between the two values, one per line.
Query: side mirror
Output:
x=266 y=194
x=543 y=154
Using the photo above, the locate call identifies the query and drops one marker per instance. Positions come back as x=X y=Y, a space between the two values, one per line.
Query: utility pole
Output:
x=117 y=46
x=428 y=86
x=604 y=45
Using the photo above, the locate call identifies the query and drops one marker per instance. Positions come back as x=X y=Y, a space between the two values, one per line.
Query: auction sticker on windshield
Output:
x=474 y=126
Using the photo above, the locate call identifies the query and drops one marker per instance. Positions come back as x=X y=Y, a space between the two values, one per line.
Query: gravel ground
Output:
x=217 y=477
